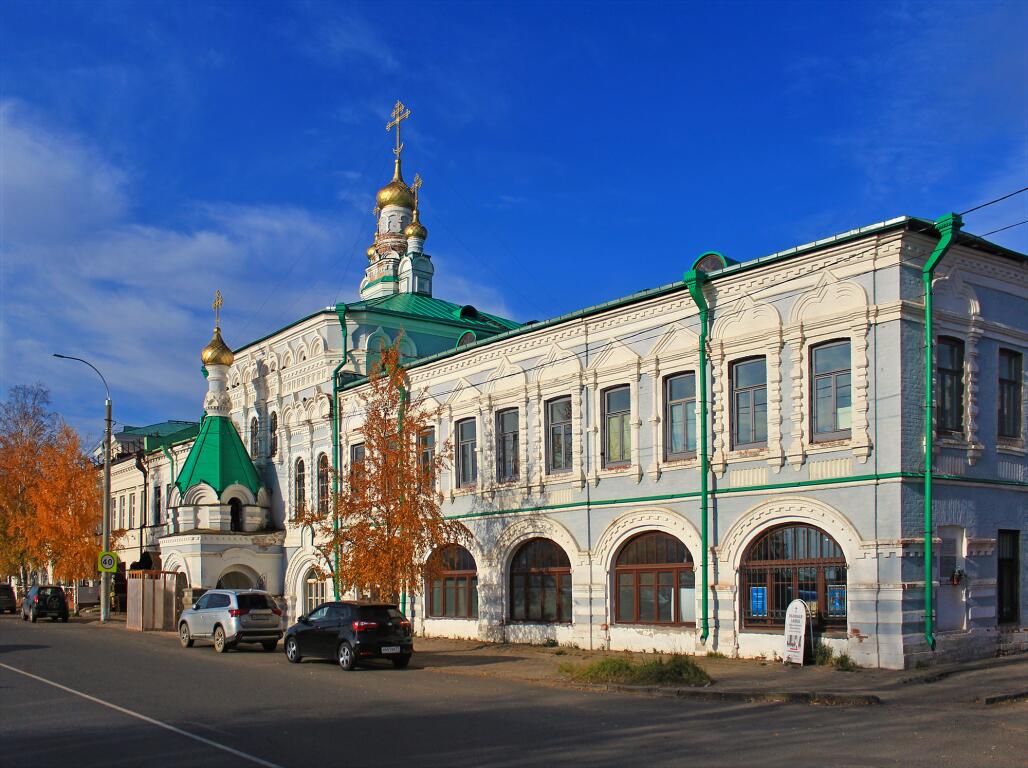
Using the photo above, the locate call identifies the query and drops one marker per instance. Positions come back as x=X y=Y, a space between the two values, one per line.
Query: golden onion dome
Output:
x=371 y=251
x=415 y=228
x=217 y=352
x=396 y=192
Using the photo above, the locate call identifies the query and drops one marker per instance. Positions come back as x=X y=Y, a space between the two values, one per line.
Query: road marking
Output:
x=146 y=719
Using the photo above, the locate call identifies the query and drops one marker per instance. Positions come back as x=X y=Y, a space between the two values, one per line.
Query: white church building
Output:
x=663 y=471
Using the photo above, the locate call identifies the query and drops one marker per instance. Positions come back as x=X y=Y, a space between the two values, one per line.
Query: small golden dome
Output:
x=217 y=352
x=415 y=228
x=371 y=251
x=396 y=192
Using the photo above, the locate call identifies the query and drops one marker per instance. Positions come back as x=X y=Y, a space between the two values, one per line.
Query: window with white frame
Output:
x=1010 y=378
x=273 y=434
x=680 y=416
x=323 y=483
x=507 y=445
x=314 y=592
x=300 y=486
x=467 y=453
x=132 y=510
x=830 y=391
x=617 y=434
x=558 y=435
x=749 y=403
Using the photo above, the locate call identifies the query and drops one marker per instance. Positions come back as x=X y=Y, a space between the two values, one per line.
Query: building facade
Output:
x=768 y=414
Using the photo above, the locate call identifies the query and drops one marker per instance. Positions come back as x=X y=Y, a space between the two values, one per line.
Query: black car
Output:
x=44 y=601
x=351 y=631
x=8 y=600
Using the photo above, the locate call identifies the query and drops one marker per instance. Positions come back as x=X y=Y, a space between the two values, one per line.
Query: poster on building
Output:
x=758 y=602
x=795 y=632
x=836 y=600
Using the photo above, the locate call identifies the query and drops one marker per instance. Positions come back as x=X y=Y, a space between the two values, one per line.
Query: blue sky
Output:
x=571 y=152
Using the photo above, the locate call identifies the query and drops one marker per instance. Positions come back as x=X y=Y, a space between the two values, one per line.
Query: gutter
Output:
x=948 y=227
x=694 y=282
x=142 y=512
x=341 y=312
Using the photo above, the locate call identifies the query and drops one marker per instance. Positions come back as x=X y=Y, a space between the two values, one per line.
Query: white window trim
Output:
x=676 y=353
x=466 y=403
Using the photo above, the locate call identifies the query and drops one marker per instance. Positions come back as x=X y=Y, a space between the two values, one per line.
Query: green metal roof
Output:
x=218 y=458
x=161 y=429
x=430 y=308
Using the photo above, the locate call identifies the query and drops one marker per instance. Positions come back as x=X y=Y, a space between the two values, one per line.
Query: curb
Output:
x=769 y=697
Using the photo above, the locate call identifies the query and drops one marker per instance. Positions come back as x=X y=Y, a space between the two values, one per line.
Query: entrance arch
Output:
x=235 y=578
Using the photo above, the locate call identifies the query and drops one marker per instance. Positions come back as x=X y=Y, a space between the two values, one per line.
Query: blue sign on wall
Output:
x=836 y=600
x=758 y=602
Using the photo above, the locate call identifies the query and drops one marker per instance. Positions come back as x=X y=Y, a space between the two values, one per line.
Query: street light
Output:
x=105 y=578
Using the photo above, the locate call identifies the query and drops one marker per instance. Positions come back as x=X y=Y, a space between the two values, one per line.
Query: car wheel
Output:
x=293 y=650
x=269 y=645
x=32 y=615
x=401 y=662
x=346 y=656
x=220 y=643
x=183 y=635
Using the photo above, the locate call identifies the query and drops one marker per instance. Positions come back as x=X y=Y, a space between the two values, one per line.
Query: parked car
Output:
x=232 y=616
x=8 y=600
x=44 y=601
x=351 y=631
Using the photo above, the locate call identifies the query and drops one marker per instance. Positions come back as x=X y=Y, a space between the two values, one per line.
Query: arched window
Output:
x=793 y=562
x=235 y=512
x=540 y=583
x=253 y=437
x=273 y=434
x=323 y=490
x=453 y=592
x=300 y=486
x=313 y=591
x=654 y=582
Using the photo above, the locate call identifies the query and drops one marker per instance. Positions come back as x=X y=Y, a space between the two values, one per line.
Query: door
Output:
x=952 y=584
x=195 y=620
x=1008 y=575
x=316 y=638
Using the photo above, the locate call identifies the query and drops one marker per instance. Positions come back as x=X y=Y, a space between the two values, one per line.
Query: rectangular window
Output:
x=558 y=435
x=156 y=504
x=356 y=456
x=1010 y=378
x=1008 y=576
x=680 y=416
x=132 y=510
x=426 y=452
x=167 y=494
x=617 y=437
x=950 y=378
x=121 y=512
x=749 y=403
x=467 y=453
x=507 y=445
x=830 y=391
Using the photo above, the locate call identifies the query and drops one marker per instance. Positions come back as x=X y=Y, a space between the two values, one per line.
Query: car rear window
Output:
x=50 y=591
x=7 y=589
x=253 y=602
x=381 y=613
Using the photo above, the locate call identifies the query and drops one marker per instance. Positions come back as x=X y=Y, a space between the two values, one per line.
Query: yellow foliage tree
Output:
x=385 y=520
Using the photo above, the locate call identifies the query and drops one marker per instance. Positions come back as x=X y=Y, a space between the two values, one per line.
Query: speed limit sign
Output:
x=108 y=562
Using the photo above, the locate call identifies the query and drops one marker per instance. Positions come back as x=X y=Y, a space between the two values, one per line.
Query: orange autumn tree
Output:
x=385 y=519
x=49 y=491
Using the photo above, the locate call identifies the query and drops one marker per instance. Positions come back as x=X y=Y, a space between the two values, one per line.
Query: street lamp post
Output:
x=105 y=578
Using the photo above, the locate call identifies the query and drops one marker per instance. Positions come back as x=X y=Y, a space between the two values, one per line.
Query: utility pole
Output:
x=105 y=578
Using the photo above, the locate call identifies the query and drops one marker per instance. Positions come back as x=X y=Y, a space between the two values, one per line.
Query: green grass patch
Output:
x=845 y=664
x=677 y=670
x=824 y=656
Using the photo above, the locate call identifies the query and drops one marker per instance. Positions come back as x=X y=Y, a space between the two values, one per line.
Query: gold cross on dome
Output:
x=415 y=187
x=216 y=306
x=399 y=114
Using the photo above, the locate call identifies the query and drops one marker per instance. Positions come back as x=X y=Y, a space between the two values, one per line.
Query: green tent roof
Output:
x=218 y=458
x=431 y=308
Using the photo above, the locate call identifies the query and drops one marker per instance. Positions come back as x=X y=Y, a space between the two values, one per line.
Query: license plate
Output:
x=390 y=649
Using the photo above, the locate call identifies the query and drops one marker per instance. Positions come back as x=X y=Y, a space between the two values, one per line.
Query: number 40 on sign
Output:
x=107 y=562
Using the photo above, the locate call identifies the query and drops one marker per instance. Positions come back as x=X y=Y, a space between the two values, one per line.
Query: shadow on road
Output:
x=13 y=648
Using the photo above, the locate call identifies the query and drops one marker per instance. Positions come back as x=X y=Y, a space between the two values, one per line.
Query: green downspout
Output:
x=948 y=227
x=399 y=431
x=174 y=474
x=694 y=282
x=341 y=311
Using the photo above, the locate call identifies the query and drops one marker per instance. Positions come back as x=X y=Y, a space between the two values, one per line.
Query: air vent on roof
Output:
x=468 y=312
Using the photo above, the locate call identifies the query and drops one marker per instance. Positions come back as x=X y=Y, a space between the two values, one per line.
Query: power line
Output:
x=991 y=202
x=1003 y=229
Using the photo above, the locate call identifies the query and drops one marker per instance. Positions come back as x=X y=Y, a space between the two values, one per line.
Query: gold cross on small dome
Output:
x=415 y=187
x=216 y=306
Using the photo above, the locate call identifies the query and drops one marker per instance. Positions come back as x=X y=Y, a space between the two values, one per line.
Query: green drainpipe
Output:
x=174 y=474
x=694 y=282
x=341 y=311
x=948 y=227
x=399 y=430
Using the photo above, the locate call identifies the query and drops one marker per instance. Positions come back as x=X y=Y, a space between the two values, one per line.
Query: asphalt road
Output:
x=152 y=703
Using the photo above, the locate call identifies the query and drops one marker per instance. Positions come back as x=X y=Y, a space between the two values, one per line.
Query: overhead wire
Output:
x=993 y=202
x=1004 y=229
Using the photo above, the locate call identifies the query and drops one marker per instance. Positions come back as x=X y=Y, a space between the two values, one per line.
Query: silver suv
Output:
x=232 y=616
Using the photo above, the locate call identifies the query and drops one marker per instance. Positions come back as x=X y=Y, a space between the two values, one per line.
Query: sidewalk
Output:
x=986 y=681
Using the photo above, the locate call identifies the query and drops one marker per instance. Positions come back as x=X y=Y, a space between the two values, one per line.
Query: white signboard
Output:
x=795 y=632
